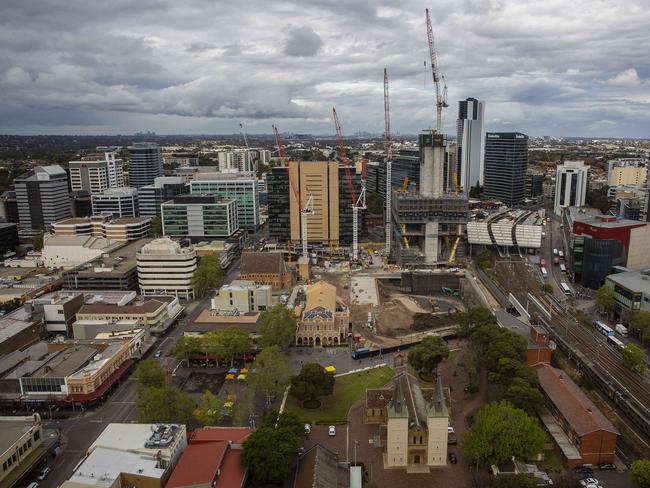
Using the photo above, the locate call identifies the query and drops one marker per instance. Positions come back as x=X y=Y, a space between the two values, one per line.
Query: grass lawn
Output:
x=347 y=390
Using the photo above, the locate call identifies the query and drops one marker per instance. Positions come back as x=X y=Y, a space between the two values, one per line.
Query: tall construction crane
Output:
x=248 y=149
x=357 y=203
x=441 y=95
x=388 y=145
x=305 y=210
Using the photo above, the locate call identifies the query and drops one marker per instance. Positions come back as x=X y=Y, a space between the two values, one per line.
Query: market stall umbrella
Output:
x=330 y=369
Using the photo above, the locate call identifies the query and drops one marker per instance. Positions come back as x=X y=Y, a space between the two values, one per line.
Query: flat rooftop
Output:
x=112 y=297
x=12 y=430
x=121 y=260
x=103 y=466
x=127 y=437
x=637 y=281
x=15 y=322
x=66 y=362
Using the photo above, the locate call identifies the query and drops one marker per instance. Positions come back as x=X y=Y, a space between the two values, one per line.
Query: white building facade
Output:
x=166 y=268
x=118 y=202
x=570 y=185
x=95 y=176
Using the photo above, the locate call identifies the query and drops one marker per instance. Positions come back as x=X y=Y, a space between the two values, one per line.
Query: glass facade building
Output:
x=200 y=217
x=506 y=161
x=243 y=190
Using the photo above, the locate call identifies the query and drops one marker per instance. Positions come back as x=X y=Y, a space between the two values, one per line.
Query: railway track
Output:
x=590 y=351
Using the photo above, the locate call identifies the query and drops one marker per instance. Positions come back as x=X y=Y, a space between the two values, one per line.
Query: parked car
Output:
x=33 y=484
x=452 y=440
x=450 y=430
x=331 y=430
x=452 y=458
x=44 y=473
x=588 y=482
x=585 y=472
x=607 y=466
x=307 y=429
x=158 y=354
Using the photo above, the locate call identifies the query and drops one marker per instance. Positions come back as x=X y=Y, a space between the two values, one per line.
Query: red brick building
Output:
x=539 y=346
x=212 y=458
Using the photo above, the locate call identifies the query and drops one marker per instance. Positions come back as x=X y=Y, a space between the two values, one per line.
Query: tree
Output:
x=270 y=373
x=641 y=322
x=164 y=405
x=605 y=299
x=523 y=395
x=640 y=473
x=185 y=346
x=234 y=342
x=207 y=275
x=475 y=317
x=375 y=204
x=428 y=354
x=633 y=358
x=312 y=382
x=38 y=240
x=286 y=420
x=150 y=374
x=277 y=327
x=504 y=344
x=547 y=288
x=501 y=431
x=268 y=453
x=155 y=227
x=209 y=411
x=583 y=318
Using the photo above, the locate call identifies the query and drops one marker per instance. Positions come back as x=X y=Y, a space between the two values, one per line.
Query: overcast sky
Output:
x=552 y=67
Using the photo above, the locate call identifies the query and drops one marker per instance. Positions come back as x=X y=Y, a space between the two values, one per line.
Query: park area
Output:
x=348 y=389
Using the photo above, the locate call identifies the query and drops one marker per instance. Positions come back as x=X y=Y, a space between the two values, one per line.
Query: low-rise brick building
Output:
x=266 y=268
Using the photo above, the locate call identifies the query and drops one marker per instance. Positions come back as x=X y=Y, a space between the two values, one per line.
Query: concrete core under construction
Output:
x=424 y=220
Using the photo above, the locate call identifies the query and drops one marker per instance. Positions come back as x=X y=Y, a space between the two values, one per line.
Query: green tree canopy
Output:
x=277 y=327
x=286 y=420
x=605 y=299
x=504 y=344
x=150 y=374
x=641 y=322
x=270 y=373
x=547 y=288
x=165 y=404
x=375 y=204
x=207 y=275
x=155 y=228
x=234 y=342
x=209 y=411
x=633 y=358
x=312 y=382
x=185 y=346
x=501 y=431
x=522 y=394
x=640 y=473
x=428 y=354
x=268 y=453
x=475 y=317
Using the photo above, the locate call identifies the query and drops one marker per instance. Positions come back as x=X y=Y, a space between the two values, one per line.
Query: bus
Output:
x=616 y=342
x=561 y=254
x=562 y=268
x=603 y=328
x=555 y=252
x=565 y=288
x=543 y=272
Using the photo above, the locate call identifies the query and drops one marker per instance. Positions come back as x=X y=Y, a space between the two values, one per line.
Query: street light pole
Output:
x=356 y=443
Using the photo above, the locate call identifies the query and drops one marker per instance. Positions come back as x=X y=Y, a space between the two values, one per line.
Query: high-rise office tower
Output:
x=570 y=185
x=96 y=175
x=145 y=164
x=163 y=189
x=43 y=198
x=279 y=193
x=118 y=202
x=470 y=137
x=506 y=161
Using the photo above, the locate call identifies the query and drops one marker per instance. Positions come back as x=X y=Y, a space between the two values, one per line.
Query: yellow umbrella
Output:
x=230 y=376
x=330 y=369
x=241 y=377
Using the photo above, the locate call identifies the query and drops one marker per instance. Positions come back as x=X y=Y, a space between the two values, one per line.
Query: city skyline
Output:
x=119 y=67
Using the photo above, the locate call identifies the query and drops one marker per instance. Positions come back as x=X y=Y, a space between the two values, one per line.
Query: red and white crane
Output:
x=441 y=96
x=388 y=145
x=305 y=210
x=357 y=203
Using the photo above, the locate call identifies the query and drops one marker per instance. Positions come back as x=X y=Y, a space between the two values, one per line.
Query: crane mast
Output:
x=441 y=95
x=389 y=162
x=357 y=203
x=308 y=208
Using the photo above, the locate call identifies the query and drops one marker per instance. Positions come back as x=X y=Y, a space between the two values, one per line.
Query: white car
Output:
x=450 y=430
x=331 y=430
x=307 y=429
x=44 y=474
x=589 y=482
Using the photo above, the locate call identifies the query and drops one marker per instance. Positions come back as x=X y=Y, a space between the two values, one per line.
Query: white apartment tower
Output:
x=95 y=176
x=470 y=137
x=166 y=268
x=570 y=185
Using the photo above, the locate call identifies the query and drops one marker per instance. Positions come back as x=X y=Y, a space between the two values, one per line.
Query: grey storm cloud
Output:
x=117 y=66
x=302 y=42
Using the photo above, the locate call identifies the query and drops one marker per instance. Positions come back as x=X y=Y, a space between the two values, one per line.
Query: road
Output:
x=80 y=432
